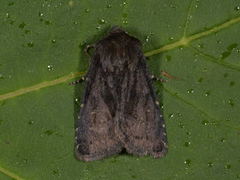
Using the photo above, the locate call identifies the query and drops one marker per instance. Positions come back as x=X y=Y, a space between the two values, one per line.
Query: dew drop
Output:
x=7 y=15
x=171 y=38
x=187 y=162
x=210 y=164
x=171 y=115
x=232 y=83
x=219 y=41
x=40 y=14
x=230 y=102
x=30 y=44
x=109 y=6
x=125 y=21
x=205 y=122
x=223 y=140
x=207 y=93
x=101 y=21
x=76 y=100
x=187 y=144
x=190 y=91
x=87 y=10
x=53 y=41
x=1 y=76
x=201 y=46
x=189 y=133
x=181 y=125
x=237 y=8
x=50 y=67
x=30 y=122
x=98 y=28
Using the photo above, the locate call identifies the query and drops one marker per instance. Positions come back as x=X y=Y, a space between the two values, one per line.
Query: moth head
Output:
x=116 y=29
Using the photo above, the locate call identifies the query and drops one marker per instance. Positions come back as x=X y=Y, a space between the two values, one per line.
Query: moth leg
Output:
x=78 y=81
x=166 y=74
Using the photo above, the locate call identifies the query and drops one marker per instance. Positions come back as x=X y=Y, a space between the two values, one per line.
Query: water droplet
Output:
x=205 y=122
x=200 y=79
x=207 y=93
x=1 y=76
x=232 y=83
x=171 y=115
x=125 y=21
x=223 y=140
x=187 y=144
x=22 y=25
x=201 y=45
x=30 y=122
x=75 y=22
x=189 y=133
x=53 y=41
x=87 y=10
x=227 y=166
x=171 y=38
x=50 y=67
x=225 y=75
x=76 y=99
x=40 y=14
x=98 y=28
x=187 y=162
x=237 y=8
x=109 y=6
x=230 y=102
x=30 y=44
x=190 y=91
x=101 y=21
x=7 y=15
x=219 y=41
x=181 y=125
x=210 y=164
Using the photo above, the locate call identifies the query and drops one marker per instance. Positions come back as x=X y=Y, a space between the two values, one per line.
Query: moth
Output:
x=119 y=109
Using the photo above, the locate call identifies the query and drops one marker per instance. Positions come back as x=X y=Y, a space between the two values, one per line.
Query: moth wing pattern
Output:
x=142 y=125
x=119 y=105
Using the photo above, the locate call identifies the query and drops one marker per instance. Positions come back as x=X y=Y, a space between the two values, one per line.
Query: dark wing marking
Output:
x=95 y=135
x=141 y=125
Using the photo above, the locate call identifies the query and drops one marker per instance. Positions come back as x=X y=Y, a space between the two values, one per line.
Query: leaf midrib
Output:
x=184 y=41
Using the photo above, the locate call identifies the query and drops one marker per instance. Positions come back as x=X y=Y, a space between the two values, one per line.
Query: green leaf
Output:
x=41 y=50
